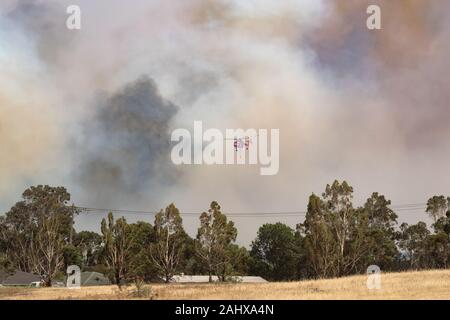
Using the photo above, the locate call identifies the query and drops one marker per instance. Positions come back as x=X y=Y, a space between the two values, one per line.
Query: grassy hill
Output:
x=434 y=284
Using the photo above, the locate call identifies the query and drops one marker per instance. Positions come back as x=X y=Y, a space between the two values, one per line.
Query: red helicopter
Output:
x=240 y=143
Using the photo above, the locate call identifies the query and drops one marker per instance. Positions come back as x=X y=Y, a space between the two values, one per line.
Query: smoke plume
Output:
x=93 y=109
x=126 y=145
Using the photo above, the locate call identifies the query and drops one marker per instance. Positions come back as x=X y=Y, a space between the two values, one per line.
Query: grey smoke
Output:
x=371 y=108
x=127 y=144
x=44 y=23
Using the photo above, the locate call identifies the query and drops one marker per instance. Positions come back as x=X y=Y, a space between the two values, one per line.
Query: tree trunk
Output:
x=47 y=282
x=167 y=277
x=117 y=278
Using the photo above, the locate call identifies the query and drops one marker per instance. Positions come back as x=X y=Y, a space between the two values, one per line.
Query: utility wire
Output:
x=405 y=208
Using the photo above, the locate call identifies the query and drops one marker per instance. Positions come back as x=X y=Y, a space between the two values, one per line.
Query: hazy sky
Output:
x=93 y=109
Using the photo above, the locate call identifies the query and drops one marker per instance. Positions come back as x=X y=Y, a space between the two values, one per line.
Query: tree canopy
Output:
x=336 y=238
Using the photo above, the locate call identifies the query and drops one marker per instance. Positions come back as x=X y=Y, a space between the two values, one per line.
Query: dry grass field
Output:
x=407 y=285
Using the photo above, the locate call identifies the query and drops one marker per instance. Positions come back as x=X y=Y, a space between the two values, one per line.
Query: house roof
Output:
x=202 y=279
x=252 y=279
x=93 y=279
x=3 y=276
x=20 y=278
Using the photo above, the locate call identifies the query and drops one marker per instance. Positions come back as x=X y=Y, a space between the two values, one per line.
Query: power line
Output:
x=404 y=208
x=241 y=214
